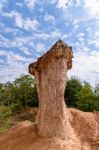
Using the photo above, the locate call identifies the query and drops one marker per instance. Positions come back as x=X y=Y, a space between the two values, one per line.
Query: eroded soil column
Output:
x=50 y=73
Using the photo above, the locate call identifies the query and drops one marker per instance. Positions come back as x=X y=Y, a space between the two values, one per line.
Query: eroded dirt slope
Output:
x=23 y=136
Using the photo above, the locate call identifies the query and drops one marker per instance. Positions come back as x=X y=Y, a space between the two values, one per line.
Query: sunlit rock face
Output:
x=50 y=72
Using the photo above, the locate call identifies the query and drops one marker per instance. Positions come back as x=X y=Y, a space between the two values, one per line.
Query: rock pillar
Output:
x=50 y=72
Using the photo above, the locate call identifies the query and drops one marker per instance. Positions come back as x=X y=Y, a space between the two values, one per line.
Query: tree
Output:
x=97 y=90
x=73 y=86
x=6 y=97
x=26 y=89
x=21 y=93
x=1 y=92
x=86 y=99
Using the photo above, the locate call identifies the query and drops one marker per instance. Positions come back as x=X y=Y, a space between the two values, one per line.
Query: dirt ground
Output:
x=23 y=136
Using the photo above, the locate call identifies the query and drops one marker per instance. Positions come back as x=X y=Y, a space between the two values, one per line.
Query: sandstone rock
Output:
x=50 y=74
x=86 y=127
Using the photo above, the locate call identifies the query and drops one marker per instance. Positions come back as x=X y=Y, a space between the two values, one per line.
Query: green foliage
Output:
x=5 y=123
x=97 y=90
x=14 y=97
x=81 y=95
x=26 y=91
x=86 y=99
x=7 y=94
x=21 y=93
x=5 y=112
x=72 y=88
x=16 y=108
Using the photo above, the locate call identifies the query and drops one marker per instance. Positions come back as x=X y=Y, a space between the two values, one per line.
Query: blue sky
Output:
x=28 y=28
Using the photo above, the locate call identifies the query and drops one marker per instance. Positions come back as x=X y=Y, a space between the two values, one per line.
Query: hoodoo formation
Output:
x=50 y=73
x=56 y=127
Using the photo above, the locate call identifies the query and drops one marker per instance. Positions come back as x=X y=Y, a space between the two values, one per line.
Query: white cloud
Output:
x=52 y=1
x=23 y=44
x=18 y=20
x=30 y=3
x=12 y=72
x=78 y=3
x=62 y=4
x=13 y=57
x=4 y=42
x=1 y=62
x=2 y=53
x=40 y=47
x=27 y=24
x=24 y=23
x=49 y=17
x=76 y=26
x=92 y=7
x=94 y=41
x=17 y=16
x=16 y=66
x=86 y=66
x=65 y=36
x=96 y=34
x=25 y=50
x=42 y=35
x=51 y=35
x=81 y=36
x=3 y=3
x=30 y=24
x=89 y=30
x=55 y=34
x=75 y=23
x=19 y=4
x=82 y=10
x=93 y=38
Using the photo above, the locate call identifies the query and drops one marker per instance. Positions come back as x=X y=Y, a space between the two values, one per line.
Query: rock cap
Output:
x=58 y=50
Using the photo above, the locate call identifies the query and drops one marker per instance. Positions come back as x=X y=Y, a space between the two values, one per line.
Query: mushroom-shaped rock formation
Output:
x=50 y=73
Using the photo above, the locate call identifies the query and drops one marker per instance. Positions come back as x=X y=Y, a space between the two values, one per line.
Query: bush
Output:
x=21 y=93
x=73 y=86
x=16 y=108
x=5 y=122
x=5 y=112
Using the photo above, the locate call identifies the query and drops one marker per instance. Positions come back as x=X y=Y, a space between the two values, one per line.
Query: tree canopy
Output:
x=81 y=95
x=22 y=93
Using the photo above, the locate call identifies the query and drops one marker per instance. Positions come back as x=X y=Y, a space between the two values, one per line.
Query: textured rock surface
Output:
x=50 y=73
x=86 y=126
x=56 y=127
